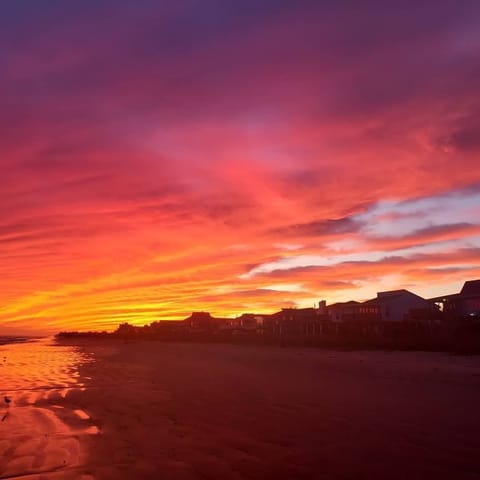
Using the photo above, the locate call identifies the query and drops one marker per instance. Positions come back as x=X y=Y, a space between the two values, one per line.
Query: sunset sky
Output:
x=233 y=156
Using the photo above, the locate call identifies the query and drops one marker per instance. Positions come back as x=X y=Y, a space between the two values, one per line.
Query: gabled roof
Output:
x=443 y=298
x=200 y=317
x=393 y=294
x=296 y=313
x=389 y=293
x=343 y=304
x=247 y=316
x=472 y=287
x=307 y=309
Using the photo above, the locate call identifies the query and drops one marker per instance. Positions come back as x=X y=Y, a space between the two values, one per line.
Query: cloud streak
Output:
x=155 y=155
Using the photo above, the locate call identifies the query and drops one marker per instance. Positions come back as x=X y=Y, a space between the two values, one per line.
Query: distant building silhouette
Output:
x=393 y=319
x=353 y=311
x=396 y=305
x=200 y=321
x=462 y=306
x=296 y=321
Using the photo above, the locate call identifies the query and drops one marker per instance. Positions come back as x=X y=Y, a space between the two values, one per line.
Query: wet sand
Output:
x=190 y=411
x=41 y=429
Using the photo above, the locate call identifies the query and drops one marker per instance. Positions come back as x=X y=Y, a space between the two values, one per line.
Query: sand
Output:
x=41 y=433
x=190 y=411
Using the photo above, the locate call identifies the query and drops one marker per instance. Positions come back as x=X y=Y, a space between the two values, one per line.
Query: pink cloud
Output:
x=148 y=164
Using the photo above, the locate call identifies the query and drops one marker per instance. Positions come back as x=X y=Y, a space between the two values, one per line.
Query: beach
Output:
x=41 y=429
x=187 y=411
x=201 y=411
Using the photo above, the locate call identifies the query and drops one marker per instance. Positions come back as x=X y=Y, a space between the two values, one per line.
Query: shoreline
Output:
x=14 y=339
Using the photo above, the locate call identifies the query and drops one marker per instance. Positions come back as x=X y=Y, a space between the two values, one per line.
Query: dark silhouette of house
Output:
x=352 y=318
x=353 y=311
x=462 y=306
x=399 y=305
x=247 y=323
x=126 y=330
x=201 y=321
x=391 y=312
x=296 y=321
x=166 y=327
x=250 y=321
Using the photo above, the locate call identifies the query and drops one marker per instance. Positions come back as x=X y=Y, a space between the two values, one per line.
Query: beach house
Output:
x=398 y=305
x=464 y=305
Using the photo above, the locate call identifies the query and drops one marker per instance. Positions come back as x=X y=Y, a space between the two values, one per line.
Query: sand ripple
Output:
x=41 y=429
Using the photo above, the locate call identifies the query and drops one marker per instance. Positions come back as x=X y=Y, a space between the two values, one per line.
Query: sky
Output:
x=232 y=156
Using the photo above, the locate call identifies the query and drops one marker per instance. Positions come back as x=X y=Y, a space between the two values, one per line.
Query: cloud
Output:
x=321 y=228
x=463 y=135
x=425 y=236
x=140 y=143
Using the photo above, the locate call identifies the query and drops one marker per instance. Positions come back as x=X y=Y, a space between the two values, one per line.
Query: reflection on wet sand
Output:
x=41 y=429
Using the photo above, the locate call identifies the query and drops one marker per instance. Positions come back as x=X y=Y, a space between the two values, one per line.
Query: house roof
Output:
x=441 y=298
x=343 y=304
x=200 y=317
x=307 y=309
x=246 y=316
x=472 y=287
x=297 y=313
x=394 y=294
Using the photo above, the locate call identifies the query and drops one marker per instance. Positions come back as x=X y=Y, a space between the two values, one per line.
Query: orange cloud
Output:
x=233 y=158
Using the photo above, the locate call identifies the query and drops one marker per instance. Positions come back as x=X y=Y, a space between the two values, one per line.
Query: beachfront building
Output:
x=296 y=322
x=353 y=311
x=399 y=305
x=245 y=323
x=464 y=305
x=389 y=312
x=248 y=321
x=202 y=322
x=353 y=318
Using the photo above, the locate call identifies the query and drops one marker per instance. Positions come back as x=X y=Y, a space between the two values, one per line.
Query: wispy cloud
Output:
x=142 y=143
